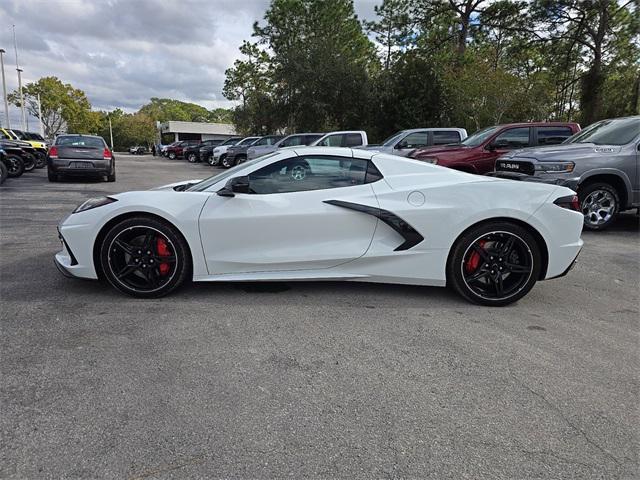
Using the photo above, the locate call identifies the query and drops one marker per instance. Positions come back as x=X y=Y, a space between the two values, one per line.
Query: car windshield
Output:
x=80 y=141
x=393 y=139
x=207 y=182
x=479 y=137
x=35 y=136
x=609 y=132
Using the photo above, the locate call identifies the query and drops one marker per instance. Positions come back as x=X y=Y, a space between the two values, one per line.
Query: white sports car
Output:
x=329 y=214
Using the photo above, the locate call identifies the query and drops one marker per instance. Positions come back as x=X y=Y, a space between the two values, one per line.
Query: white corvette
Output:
x=329 y=214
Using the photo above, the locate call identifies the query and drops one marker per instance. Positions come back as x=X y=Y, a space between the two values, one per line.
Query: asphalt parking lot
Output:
x=308 y=380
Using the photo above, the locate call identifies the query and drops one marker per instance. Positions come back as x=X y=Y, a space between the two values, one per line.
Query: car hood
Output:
x=567 y=151
x=171 y=186
x=439 y=150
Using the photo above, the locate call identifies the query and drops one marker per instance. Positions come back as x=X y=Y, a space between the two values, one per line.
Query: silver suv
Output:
x=600 y=163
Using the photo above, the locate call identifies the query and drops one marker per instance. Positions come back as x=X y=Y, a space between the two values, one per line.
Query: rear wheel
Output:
x=41 y=160
x=112 y=177
x=172 y=155
x=15 y=166
x=494 y=264
x=600 y=204
x=145 y=257
x=52 y=176
x=29 y=162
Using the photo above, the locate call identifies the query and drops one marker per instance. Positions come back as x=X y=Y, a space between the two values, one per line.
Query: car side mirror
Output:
x=235 y=185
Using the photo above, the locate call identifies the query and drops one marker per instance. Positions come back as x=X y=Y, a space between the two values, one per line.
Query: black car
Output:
x=80 y=155
x=20 y=157
x=199 y=152
x=238 y=154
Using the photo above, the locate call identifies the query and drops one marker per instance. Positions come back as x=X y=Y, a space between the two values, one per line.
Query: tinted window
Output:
x=415 y=140
x=81 y=141
x=479 y=137
x=352 y=140
x=609 y=132
x=309 y=139
x=332 y=141
x=553 y=135
x=293 y=141
x=231 y=141
x=513 y=138
x=445 y=137
x=300 y=174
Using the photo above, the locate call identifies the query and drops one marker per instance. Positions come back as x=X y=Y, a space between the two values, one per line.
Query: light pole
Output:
x=110 y=130
x=19 y=70
x=40 y=117
x=4 y=88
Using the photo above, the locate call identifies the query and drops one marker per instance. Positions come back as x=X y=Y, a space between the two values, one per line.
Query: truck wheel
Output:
x=600 y=205
x=15 y=166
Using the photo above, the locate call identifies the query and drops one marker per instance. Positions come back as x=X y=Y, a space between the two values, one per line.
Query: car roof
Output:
x=538 y=124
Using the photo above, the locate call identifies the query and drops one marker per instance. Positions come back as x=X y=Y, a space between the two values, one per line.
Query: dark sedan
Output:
x=80 y=155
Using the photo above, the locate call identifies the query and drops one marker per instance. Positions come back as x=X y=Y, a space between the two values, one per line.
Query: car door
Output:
x=284 y=223
x=411 y=142
x=508 y=139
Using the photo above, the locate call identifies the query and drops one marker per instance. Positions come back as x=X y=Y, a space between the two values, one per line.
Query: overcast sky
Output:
x=123 y=52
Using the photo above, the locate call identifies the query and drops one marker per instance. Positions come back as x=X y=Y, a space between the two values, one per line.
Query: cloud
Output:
x=123 y=52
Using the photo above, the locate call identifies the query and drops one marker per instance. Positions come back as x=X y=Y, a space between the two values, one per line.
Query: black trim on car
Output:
x=410 y=234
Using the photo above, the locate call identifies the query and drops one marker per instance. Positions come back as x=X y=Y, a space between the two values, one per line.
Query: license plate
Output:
x=81 y=165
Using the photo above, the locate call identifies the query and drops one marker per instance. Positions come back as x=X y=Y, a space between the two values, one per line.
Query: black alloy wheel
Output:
x=172 y=155
x=144 y=257
x=29 y=161
x=494 y=264
x=192 y=158
x=225 y=162
x=15 y=166
x=41 y=160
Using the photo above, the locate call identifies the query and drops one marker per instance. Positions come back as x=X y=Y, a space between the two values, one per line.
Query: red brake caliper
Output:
x=474 y=260
x=163 y=251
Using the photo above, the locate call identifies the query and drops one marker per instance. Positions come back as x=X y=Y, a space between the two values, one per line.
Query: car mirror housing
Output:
x=235 y=185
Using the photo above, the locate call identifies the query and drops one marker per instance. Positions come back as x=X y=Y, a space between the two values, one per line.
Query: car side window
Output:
x=352 y=140
x=415 y=140
x=512 y=138
x=553 y=135
x=293 y=141
x=444 y=137
x=262 y=141
x=332 y=141
x=311 y=172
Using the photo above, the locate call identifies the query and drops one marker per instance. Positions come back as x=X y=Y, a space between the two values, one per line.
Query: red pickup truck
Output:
x=478 y=152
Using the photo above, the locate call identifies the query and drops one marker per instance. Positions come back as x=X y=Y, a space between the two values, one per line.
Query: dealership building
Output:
x=173 y=131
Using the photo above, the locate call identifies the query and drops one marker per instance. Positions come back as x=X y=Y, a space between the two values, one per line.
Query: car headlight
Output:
x=432 y=160
x=555 y=167
x=94 y=203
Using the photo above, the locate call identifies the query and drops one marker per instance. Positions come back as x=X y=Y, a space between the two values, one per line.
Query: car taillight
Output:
x=106 y=155
x=570 y=202
x=53 y=152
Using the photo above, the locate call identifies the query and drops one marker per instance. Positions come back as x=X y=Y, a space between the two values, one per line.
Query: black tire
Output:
x=224 y=162
x=41 y=160
x=4 y=173
x=485 y=270
x=15 y=166
x=53 y=177
x=130 y=248
x=240 y=159
x=172 y=155
x=192 y=158
x=600 y=204
x=210 y=161
x=29 y=161
x=112 y=177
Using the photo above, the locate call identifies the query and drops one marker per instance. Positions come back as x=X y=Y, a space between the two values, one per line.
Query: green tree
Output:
x=63 y=106
x=321 y=62
x=165 y=109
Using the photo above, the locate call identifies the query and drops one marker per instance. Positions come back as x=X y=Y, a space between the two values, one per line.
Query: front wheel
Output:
x=600 y=204
x=41 y=160
x=494 y=264
x=145 y=257
x=29 y=162
x=15 y=166
x=172 y=156
x=210 y=160
x=225 y=162
x=192 y=158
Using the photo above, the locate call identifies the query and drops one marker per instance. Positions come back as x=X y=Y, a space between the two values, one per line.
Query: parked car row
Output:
x=20 y=152
x=600 y=163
